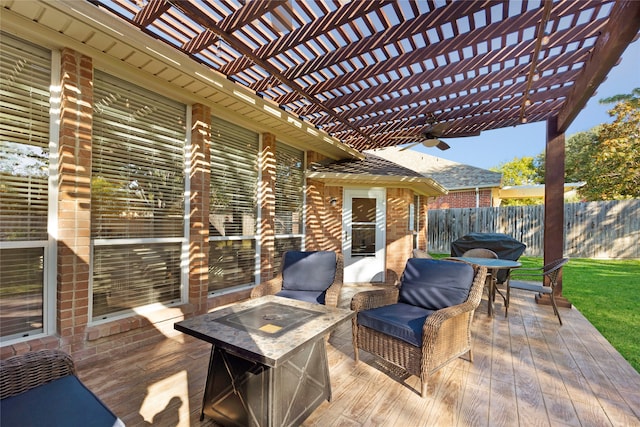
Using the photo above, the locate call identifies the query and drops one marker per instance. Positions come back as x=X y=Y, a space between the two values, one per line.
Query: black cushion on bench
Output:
x=65 y=402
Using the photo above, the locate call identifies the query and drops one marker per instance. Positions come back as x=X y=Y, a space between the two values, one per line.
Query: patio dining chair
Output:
x=312 y=276
x=549 y=271
x=424 y=322
x=492 y=274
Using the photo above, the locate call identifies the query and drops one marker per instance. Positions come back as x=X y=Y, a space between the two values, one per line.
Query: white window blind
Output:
x=25 y=78
x=233 y=205
x=137 y=187
x=137 y=196
x=289 y=190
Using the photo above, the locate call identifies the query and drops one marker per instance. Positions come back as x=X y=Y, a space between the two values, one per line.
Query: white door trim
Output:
x=364 y=268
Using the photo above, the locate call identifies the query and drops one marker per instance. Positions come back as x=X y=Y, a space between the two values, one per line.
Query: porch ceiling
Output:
x=370 y=73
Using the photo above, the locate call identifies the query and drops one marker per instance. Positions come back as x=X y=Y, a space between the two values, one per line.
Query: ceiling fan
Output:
x=430 y=137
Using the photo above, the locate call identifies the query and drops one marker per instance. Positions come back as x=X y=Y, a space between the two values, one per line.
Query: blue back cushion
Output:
x=308 y=271
x=435 y=284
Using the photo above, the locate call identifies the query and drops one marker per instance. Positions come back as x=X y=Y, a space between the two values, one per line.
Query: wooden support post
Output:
x=554 y=205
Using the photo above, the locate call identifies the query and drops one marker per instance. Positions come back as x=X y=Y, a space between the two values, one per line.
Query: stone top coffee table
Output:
x=268 y=364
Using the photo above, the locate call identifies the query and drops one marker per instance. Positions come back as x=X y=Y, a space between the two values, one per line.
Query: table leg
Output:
x=208 y=383
x=492 y=295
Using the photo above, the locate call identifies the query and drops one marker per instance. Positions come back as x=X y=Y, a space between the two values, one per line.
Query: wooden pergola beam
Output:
x=623 y=26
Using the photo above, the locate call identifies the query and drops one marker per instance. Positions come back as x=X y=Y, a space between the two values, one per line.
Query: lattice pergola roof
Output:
x=369 y=72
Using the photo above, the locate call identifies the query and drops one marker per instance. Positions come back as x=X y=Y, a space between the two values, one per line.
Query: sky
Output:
x=495 y=147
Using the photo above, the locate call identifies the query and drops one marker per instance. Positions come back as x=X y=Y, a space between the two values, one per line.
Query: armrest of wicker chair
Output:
x=26 y=371
x=270 y=287
x=374 y=298
x=333 y=294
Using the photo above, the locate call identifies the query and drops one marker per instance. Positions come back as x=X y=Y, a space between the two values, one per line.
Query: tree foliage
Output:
x=519 y=171
x=615 y=172
x=606 y=157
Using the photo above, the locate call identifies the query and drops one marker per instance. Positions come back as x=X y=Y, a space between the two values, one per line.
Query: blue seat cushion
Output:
x=308 y=271
x=65 y=402
x=316 y=297
x=435 y=284
x=402 y=321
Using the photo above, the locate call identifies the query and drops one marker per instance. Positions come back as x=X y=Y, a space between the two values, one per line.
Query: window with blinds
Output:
x=289 y=190
x=137 y=196
x=233 y=205
x=25 y=78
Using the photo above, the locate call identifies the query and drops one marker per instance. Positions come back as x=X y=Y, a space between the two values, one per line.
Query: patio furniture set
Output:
x=268 y=364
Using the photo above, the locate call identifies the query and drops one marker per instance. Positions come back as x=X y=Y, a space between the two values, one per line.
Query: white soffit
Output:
x=123 y=50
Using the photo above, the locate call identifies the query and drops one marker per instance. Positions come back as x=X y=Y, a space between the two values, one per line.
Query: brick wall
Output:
x=461 y=199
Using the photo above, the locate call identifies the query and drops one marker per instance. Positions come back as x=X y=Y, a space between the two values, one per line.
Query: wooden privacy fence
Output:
x=608 y=229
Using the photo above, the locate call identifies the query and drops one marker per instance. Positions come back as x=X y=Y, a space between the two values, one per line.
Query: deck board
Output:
x=527 y=371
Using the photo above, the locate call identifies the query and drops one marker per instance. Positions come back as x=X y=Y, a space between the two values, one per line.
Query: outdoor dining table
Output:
x=492 y=264
x=268 y=363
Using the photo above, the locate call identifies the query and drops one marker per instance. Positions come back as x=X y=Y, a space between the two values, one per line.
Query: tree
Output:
x=606 y=157
x=519 y=171
x=580 y=150
x=616 y=162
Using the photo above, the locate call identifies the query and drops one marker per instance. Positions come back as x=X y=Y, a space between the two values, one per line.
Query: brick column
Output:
x=399 y=238
x=267 y=205
x=423 y=238
x=200 y=181
x=323 y=223
x=74 y=200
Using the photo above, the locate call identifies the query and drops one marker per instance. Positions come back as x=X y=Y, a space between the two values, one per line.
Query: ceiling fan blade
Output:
x=410 y=145
x=462 y=134
x=438 y=129
x=443 y=145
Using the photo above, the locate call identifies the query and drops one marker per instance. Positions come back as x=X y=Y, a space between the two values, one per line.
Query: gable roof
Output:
x=374 y=170
x=452 y=175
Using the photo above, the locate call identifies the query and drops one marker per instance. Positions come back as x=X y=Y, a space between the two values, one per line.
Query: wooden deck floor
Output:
x=527 y=371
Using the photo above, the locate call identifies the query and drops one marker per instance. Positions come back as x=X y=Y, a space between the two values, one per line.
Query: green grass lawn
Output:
x=607 y=293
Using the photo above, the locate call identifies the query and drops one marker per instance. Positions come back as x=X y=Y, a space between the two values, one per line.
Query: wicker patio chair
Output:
x=424 y=322
x=314 y=276
x=42 y=388
x=30 y=370
x=550 y=271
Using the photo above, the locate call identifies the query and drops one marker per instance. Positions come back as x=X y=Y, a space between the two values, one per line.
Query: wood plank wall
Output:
x=609 y=229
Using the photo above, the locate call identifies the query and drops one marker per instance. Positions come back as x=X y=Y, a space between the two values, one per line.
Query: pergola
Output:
x=372 y=74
